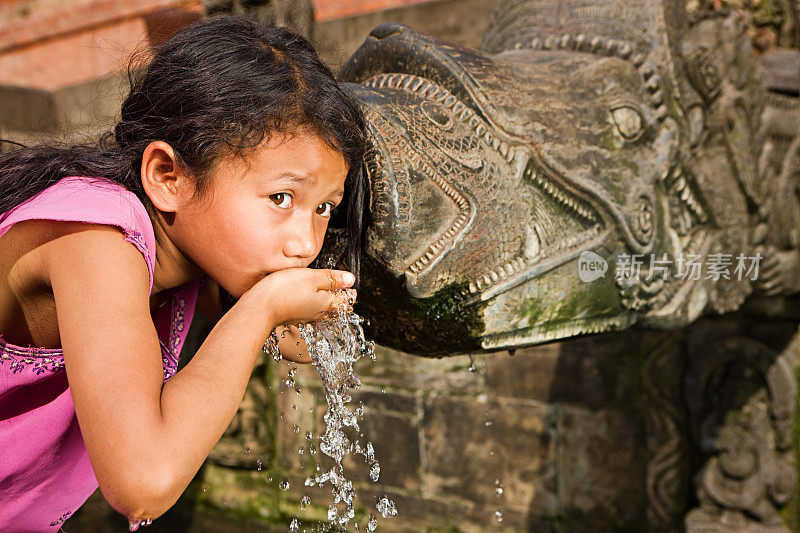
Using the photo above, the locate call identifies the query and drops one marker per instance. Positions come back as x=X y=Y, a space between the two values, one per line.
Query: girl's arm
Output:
x=290 y=342
x=147 y=439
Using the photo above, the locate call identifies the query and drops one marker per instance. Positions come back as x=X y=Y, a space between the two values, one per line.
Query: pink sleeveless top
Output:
x=45 y=474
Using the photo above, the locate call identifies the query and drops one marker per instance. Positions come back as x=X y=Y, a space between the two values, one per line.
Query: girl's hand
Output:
x=303 y=294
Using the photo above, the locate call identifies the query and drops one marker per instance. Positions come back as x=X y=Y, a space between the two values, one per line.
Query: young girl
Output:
x=235 y=148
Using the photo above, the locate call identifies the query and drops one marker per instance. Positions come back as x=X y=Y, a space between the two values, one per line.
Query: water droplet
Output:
x=247 y=450
x=282 y=416
x=386 y=507
x=269 y=478
x=488 y=423
x=309 y=436
x=383 y=390
x=472 y=367
x=304 y=501
x=498 y=487
x=375 y=472
x=332 y=513
x=372 y=523
x=258 y=464
x=294 y=527
x=134 y=525
x=498 y=515
x=301 y=451
x=294 y=407
x=284 y=484
x=296 y=428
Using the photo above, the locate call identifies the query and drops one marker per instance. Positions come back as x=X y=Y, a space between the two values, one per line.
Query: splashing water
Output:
x=335 y=344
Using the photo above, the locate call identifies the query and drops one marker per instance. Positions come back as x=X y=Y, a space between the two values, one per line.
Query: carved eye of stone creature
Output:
x=628 y=120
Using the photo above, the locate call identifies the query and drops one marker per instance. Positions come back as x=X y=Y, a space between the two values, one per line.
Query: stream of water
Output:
x=335 y=344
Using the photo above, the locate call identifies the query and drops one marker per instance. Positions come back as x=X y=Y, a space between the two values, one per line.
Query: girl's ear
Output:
x=165 y=182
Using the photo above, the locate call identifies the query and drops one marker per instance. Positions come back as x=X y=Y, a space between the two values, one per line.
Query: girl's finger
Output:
x=332 y=280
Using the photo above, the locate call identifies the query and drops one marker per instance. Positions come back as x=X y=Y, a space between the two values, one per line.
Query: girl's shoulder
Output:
x=90 y=200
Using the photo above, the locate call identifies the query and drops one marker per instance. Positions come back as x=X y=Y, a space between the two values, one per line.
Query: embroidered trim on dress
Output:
x=170 y=353
x=137 y=239
x=40 y=360
x=61 y=519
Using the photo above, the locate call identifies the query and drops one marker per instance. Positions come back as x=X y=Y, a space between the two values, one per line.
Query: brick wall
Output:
x=333 y=9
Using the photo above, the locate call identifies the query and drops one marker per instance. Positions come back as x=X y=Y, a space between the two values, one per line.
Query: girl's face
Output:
x=263 y=213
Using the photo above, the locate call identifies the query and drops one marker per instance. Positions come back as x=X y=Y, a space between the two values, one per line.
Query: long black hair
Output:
x=219 y=86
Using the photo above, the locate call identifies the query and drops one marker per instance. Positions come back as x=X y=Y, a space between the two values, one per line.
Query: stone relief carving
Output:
x=743 y=396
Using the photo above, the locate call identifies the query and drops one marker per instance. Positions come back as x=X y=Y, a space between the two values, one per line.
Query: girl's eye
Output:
x=325 y=209
x=282 y=199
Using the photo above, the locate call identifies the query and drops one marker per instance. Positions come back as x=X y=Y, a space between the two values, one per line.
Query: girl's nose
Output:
x=302 y=239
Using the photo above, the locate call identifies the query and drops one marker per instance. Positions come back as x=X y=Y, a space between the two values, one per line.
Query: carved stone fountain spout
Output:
x=595 y=166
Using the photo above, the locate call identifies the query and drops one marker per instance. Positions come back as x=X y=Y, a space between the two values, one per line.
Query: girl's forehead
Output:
x=302 y=149
x=300 y=159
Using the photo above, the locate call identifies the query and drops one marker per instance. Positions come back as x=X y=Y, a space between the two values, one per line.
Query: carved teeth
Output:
x=657 y=98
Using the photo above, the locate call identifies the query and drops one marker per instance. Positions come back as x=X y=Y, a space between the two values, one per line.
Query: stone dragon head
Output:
x=615 y=137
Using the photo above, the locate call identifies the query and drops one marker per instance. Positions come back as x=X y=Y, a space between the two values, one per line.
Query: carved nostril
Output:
x=386 y=30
